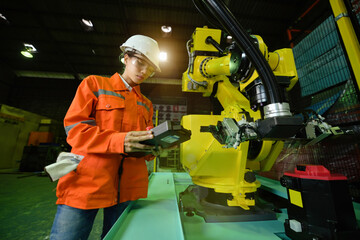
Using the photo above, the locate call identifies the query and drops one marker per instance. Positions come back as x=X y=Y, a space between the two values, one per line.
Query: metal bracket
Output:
x=340 y=16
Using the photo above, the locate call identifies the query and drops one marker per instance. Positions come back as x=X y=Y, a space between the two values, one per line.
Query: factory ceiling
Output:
x=67 y=49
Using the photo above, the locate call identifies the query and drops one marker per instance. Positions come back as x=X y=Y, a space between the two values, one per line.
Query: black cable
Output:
x=218 y=10
x=210 y=40
x=199 y=5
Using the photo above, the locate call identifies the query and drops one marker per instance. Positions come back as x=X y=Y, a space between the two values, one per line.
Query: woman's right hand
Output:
x=133 y=139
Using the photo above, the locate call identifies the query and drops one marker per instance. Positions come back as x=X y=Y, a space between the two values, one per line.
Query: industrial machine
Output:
x=320 y=205
x=226 y=150
x=251 y=84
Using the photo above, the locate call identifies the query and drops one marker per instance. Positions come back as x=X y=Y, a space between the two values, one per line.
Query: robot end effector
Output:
x=231 y=133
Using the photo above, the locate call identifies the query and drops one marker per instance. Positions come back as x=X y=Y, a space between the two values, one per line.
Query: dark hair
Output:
x=130 y=54
x=122 y=65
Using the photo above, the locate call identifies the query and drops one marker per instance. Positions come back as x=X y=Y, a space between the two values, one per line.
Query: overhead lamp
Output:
x=229 y=39
x=3 y=18
x=27 y=54
x=87 y=24
x=166 y=31
x=163 y=56
x=29 y=50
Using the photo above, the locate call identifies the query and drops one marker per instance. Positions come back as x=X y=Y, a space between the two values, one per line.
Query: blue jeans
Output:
x=74 y=224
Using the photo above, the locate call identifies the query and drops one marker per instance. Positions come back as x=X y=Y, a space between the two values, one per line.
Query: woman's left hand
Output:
x=159 y=150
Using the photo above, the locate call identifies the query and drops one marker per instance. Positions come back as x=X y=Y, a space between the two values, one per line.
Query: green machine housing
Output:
x=320 y=205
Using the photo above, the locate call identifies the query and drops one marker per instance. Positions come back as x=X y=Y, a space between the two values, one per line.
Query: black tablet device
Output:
x=168 y=134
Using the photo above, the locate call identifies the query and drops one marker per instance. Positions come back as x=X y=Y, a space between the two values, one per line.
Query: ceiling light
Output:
x=87 y=22
x=229 y=39
x=27 y=54
x=3 y=18
x=163 y=56
x=166 y=29
x=30 y=48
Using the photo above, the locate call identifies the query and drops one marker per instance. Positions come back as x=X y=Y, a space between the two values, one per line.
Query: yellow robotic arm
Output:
x=229 y=75
x=251 y=84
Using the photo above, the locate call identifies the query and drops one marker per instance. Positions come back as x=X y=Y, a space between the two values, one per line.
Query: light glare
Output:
x=163 y=56
x=27 y=54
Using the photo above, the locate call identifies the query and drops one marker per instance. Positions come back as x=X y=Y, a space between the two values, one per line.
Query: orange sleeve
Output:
x=149 y=157
x=80 y=124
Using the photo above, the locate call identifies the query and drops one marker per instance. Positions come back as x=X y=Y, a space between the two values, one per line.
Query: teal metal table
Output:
x=158 y=217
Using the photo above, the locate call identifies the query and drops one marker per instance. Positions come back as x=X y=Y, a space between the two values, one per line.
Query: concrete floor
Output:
x=27 y=207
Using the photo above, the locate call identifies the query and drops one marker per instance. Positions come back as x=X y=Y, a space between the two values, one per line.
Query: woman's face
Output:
x=137 y=69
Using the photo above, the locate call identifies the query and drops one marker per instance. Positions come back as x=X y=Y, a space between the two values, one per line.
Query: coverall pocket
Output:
x=110 y=113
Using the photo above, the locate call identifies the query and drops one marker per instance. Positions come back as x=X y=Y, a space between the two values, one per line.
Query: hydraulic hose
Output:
x=219 y=10
x=206 y=13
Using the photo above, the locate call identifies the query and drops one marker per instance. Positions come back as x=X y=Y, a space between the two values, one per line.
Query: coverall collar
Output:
x=118 y=84
x=126 y=84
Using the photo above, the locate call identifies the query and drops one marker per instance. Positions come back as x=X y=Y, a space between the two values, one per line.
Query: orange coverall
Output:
x=101 y=114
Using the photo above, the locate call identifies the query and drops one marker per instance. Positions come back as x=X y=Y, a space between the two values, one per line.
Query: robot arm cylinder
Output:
x=215 y=66
x=226 y=65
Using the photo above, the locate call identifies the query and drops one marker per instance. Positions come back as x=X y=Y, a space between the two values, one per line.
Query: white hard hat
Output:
x=144 y=45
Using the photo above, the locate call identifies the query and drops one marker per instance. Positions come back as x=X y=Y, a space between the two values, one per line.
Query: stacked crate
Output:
x=320 y=60
x=327 y=87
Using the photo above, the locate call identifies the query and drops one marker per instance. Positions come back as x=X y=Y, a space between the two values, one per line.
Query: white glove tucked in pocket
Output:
x=65 y=163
